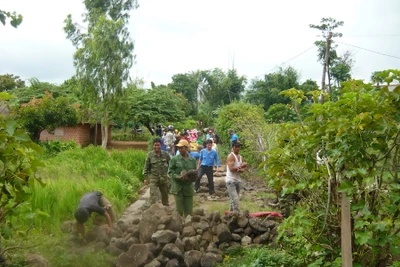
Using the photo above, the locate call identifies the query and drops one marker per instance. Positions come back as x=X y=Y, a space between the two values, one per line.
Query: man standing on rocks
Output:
x=93 y=202
x=235 y=166
x=156 y=172
x=208 y=158
x=181 y=188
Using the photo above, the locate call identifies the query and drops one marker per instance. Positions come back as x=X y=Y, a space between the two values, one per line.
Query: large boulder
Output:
x=164 y=237
x=136 y=256
x=210 y=259
x=223 y=233
x=192 y=258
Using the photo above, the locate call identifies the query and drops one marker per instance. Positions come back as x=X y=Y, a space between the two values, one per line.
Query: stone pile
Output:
x=161 y=237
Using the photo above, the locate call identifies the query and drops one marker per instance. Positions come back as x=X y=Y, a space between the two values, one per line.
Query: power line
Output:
x=313 y=46
x=369 y=50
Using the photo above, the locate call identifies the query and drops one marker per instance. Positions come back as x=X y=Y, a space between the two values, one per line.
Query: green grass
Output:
x=67 y=176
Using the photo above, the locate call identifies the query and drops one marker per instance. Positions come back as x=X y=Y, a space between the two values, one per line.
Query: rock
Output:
x=147 y=227
x=246 y=240
x=122 y=225
x=210 y=259
x=173 y=252
x=66 y=227
x=154 y=263
x=188 y=231
x=99 y=246
x=180 y=245
x=113 y=250
x=153 y=249
x=203 y=225
x=190 y=243
x=35 y=260
x=136 y=256
x=120 y=243
x=223 y=246
x=164 y=237
x=262 y=239
x=258 y=225
x=162 y=259
x=236 y=237
x=207 y=235
x=131 y=241
x=166 y=219
x=199 y=212
x=176 y=223
x=192 y=258
x=269 y=223
x=172 y=263
x=195 y=218
x=223 y=233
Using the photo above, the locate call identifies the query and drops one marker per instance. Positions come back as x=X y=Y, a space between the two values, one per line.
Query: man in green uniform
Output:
x=156 y=172
x=181 y=188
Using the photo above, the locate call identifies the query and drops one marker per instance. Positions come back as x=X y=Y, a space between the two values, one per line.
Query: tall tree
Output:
x=266 y=91
x=187 y=85
x=327 y=26
x=104 y=55
x=9 y=82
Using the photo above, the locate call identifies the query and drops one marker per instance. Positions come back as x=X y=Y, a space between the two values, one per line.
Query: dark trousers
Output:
x=208 y=170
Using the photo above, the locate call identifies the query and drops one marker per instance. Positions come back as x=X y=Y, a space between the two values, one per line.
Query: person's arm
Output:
x=109 y=221
x=146 y=170
x=199 y=160
x=172 y=169
x=81 y=230
x=217 y=160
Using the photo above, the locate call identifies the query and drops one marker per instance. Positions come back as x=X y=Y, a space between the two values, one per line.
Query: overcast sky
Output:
x=179 y=36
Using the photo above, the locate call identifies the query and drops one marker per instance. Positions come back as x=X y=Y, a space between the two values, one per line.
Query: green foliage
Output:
x=18 y=165
x=280 y=113
x=9 y=82
x=247 y=121
x=187 y=85
x=187 y=124
x=77 y=171
x=104 y=55
x=358 y=137
x=266 y=91
x=259 y=257
x=46 y=113
x=16 y=19
x=52 y=148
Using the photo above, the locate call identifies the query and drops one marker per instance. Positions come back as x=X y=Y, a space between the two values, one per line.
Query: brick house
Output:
x=83 y=134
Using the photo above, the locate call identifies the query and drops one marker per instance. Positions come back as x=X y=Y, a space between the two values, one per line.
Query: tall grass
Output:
x=75 y=172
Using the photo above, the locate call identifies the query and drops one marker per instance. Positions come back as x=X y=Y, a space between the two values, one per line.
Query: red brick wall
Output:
x=81 y=134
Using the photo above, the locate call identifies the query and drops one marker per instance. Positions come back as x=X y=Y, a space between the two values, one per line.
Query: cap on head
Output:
x=81 y=215
x=170 y=127
x=183 y=143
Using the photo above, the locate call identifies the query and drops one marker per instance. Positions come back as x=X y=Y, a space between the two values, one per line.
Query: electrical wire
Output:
x=369 y=50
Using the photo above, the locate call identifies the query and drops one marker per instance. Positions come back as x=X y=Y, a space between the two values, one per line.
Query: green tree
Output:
x=266 y=91
x=280 y=113
x=187 y=84
x=150 y=107
x=46 y=113
x=356 y=139
x=104 y=55
x=9 y=82
x=327 y=26
x=16 y=19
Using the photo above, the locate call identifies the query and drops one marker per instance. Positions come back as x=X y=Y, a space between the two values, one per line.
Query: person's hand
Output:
x=146 y=182
x=244 y=165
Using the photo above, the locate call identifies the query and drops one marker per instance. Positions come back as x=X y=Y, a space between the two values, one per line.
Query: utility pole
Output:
x=326 y=61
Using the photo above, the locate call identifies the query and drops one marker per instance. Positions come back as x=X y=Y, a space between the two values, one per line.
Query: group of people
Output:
x=165 y=167
x=166 y=171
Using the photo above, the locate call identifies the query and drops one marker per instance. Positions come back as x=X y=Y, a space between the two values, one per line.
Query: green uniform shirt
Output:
x=156 y=167
x=177 y=165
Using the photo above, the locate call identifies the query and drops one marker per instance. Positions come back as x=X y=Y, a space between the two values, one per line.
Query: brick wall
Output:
x=82 y=134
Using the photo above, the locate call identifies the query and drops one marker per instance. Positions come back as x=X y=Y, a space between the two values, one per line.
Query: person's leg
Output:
x=164 y=187
x=179 y=203
x=103 y=202
x=187 y=206
x=154 y=184
x=199 y=175
x=210 y=177
x=233 y=196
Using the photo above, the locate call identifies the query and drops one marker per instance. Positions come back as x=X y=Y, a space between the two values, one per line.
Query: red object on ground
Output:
x=262 y=214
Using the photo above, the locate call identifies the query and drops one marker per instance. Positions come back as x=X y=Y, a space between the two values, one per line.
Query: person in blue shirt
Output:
x=208 y=158
x=234 y=137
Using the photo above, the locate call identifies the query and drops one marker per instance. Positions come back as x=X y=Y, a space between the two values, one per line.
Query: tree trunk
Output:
x=104 y=135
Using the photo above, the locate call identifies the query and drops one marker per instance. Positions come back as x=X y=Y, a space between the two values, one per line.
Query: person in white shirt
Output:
x=235 y=166
x=169 y=140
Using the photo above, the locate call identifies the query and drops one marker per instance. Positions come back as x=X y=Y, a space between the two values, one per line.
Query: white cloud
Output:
x=179 y=36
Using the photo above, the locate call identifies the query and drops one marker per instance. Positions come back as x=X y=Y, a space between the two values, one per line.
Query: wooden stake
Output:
x=347 y=260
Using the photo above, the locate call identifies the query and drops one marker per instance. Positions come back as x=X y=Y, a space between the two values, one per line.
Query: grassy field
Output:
x=67 y=176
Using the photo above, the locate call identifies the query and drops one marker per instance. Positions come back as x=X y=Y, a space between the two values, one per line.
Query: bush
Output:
x=54 y=147
x=259 y=257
